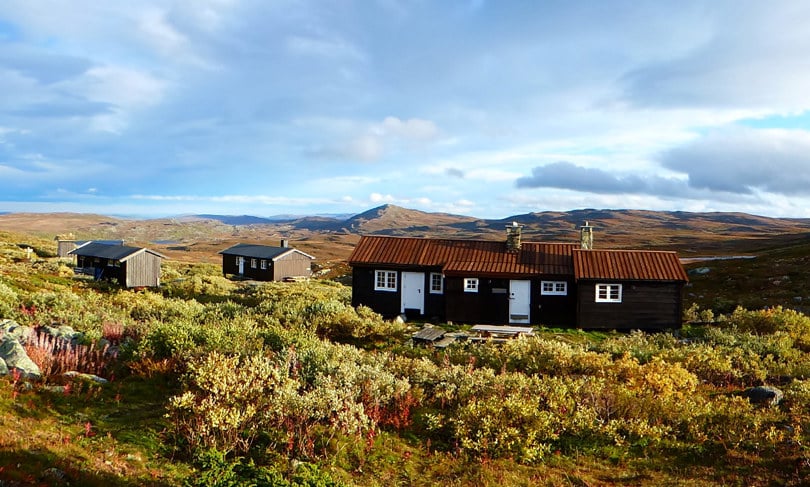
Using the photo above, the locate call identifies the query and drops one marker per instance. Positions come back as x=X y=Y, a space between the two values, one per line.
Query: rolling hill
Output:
x=199 y=237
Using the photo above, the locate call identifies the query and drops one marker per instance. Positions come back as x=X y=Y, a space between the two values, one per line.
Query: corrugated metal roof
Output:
x=642 y=265
x=113 y=252
x=464 y=257
x=260 y=251
x=105 y=242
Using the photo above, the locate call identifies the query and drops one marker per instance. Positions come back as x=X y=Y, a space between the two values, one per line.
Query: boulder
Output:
x=13 y=353
x=3 y=367
x=53 y=474
x=65 y=332
x=768 y=395
x=85 y=377
x=13 y=329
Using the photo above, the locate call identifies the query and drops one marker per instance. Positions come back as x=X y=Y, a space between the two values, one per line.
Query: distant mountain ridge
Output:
x=684 y=231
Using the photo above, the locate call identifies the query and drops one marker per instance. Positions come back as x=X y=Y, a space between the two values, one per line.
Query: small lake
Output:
x=689 y=260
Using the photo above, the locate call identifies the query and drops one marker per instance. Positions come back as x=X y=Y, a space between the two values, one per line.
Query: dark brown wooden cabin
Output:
x=130 y=266
x=551 y=284
x=465 y=280
x=265 y=262
x=629 y=289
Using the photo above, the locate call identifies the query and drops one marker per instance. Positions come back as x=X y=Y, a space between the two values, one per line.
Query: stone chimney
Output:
x=586 y=236
x=284 y=243
x=513 y=237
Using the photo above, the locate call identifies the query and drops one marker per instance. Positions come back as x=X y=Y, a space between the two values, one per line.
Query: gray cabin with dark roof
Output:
x=130 y=266
x=265 y=262
x=65 y=244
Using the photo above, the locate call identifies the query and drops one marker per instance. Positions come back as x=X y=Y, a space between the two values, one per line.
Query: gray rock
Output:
x=55 y=389
x=53 y=474
x=700 y=270
x=768 y=395
x=3 y=367
x=16 y=358
x=11 y=327
x=65 y=332
x=797 y=299
x=85 y=377
x=401 y=319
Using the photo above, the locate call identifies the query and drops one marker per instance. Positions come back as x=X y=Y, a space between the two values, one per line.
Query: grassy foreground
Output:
x=216 y=383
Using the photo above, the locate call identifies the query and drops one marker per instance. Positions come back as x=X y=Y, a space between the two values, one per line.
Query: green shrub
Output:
x=9 y=301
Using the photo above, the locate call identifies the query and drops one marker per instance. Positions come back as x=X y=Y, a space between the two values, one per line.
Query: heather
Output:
x=212 y=382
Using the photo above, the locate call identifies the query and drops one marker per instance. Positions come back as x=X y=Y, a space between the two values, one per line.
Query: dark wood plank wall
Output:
x=229 y=265
x=387 y=303
x=464 y=307
x=256 y=273
x=552 y=310
x=491 y=303
x=645 y=305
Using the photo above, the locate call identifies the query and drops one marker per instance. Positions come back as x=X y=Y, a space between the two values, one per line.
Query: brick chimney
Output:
x=586 y=236
x=513 y=237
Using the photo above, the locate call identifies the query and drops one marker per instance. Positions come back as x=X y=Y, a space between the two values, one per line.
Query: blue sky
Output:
x=483 y=108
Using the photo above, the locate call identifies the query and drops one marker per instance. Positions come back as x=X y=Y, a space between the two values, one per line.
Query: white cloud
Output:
x=236 y=199
x=637 y=99
x=370 y=142
x=742 y=160
x=414 y=129
x=158 y=32
x=755 y=58
x=380 y=198
x=125 y=90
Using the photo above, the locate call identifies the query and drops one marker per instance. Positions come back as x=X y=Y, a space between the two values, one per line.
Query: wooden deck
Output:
x=499 y=333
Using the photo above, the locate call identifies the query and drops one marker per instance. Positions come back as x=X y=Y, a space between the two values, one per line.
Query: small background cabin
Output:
x=130 y=266
x=66 y=243
x=265 y=262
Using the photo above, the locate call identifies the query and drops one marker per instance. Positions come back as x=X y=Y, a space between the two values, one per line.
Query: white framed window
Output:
x=608 y=293
x=385 y=280
x=263 y=264
x=553 y=288
x=436 y=283
x=252 y=263
x=470 y=284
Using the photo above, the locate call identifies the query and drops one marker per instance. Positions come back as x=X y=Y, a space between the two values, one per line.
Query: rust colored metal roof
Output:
x=464 y=257
x=641 y=265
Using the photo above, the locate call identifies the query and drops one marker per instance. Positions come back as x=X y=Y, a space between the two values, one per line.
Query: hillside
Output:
x=214 y=382
x=200 y=237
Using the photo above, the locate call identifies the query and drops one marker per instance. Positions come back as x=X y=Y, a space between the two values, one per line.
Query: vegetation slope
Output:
x=223 y=383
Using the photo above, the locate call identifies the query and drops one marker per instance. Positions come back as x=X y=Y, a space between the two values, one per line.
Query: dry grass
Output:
x=55 y=356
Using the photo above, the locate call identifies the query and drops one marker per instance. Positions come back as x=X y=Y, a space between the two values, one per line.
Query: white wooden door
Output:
x=413 y=291
x=241 y=262
x=520 y=301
